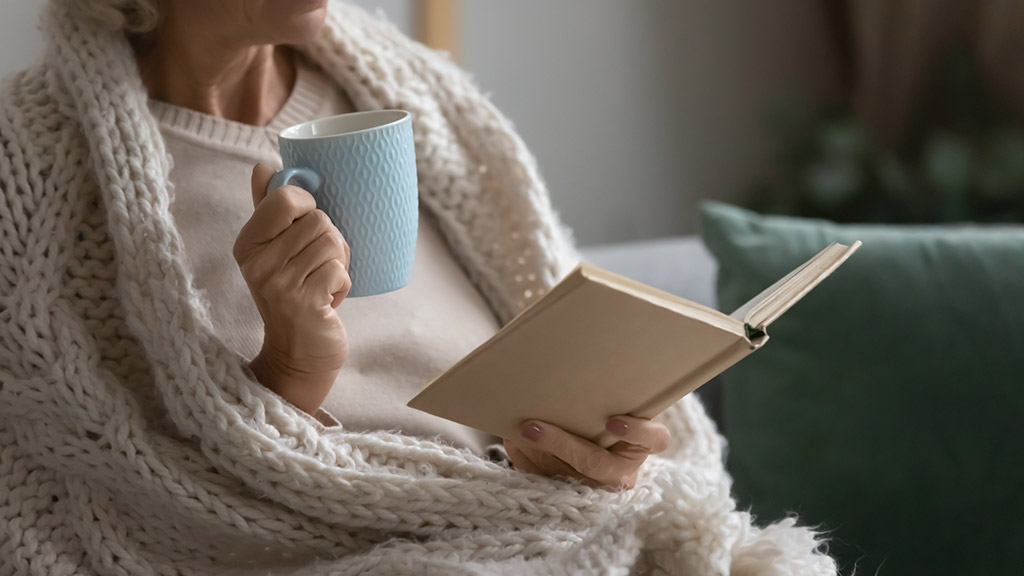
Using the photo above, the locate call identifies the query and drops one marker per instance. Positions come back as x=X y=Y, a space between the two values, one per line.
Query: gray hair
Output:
x=129 y=16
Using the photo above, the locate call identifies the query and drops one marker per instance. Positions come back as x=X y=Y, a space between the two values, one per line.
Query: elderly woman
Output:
x=178 y=392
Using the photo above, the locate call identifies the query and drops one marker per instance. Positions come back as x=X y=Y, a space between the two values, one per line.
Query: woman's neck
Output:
x=213 y=74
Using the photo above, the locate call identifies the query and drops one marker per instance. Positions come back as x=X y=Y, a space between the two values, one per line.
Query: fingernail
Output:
x=617 y=427
x=531 y=431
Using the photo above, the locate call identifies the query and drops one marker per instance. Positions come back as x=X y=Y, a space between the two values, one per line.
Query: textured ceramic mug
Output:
x=361 y=169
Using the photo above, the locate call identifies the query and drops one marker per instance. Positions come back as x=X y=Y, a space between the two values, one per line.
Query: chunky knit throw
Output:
x=133 y=442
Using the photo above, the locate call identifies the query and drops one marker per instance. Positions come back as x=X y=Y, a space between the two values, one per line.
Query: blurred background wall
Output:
x=635 y=110
x=19 y=38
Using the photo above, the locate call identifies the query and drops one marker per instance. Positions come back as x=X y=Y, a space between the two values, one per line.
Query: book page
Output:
x=767 y=306
x=740 y=313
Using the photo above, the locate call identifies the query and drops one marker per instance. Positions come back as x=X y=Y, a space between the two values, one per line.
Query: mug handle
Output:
x=304 y=177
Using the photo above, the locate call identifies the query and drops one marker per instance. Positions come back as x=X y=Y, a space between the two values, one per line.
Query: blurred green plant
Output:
x=968 y=164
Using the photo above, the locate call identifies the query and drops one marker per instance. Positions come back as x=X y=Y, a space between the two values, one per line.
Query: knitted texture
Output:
x=132 y=441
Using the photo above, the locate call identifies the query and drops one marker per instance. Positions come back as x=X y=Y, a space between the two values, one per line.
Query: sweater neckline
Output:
x=303 y=103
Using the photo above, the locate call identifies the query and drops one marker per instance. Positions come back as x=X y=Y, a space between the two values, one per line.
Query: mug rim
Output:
x=292 y=132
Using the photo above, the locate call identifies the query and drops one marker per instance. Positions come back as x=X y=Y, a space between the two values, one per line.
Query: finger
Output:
x=638 y=437
x=538 y=462
x=348 y=251
x=275 y=214
x=585 y=457
x=330 y=280
x=519 y=460
x=261 y=175
x=326 y=246
x=296 y=237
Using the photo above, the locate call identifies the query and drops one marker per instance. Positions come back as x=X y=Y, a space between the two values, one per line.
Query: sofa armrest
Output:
x=679 y=265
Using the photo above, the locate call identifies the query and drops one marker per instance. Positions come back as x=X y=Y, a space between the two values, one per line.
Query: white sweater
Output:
x=397 y=341
x=132 y=441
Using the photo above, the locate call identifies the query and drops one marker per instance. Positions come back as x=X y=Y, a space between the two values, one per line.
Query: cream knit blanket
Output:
x=133 y=442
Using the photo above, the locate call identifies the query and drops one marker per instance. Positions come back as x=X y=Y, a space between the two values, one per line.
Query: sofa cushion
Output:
x=887 y=406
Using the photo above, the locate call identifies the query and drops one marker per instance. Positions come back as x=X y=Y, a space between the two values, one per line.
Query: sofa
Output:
x=887 y=408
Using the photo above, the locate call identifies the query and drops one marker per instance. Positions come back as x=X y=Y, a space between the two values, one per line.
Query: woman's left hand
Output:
x=550 y=451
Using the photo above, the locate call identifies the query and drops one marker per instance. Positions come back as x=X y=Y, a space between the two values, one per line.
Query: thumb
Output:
x=261 y=175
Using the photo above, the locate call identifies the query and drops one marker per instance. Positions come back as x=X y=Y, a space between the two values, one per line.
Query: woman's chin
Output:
x=309 y=5
x=301 y=22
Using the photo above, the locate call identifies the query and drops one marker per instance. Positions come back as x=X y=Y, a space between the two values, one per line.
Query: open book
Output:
x=599 y=344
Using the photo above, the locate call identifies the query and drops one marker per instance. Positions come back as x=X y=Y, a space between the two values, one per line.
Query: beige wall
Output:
x=636 y=109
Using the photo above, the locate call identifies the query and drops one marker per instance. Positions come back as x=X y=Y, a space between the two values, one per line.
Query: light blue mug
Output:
x=361 y=169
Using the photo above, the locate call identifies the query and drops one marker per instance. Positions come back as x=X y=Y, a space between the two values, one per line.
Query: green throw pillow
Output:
x=887 y=406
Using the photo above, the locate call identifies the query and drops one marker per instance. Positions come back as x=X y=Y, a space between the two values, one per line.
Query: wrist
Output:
x=304 y=389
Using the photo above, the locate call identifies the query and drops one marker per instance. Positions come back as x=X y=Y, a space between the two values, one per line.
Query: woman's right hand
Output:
x=295 y=262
